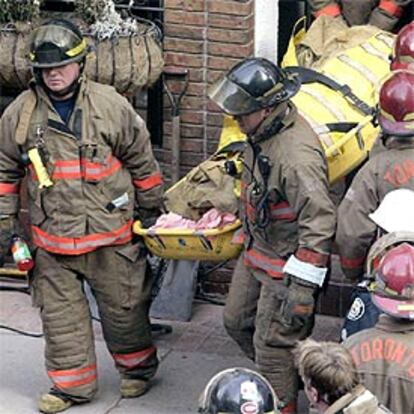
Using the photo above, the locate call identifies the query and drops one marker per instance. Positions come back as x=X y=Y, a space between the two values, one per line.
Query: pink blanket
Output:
x=211 y=220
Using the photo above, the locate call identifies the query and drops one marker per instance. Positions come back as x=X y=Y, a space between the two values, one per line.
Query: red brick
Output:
x=230 y=22
x=212 y=146
x=193 y=103
x=215 y=119
x=181 y=59
x=185 y=32
x=185 y=18
x=230 y=36
x=187 y=131
x=214 y=75
x=183 y=45
x=221 y=63
x=186 y=144
x=193 y=89
x=236 y=8
x=226 y=50
x=191 y=158
x=212 y=107
x=213 y=133
x=196 y=75
x=187 y=116
x=187 y=5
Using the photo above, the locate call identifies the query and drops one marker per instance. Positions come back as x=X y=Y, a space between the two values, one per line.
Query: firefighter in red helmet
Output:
x=390 y=169
x=383 y=354
x=403 y=56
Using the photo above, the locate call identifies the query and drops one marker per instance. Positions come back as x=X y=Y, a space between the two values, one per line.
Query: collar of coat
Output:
x=390 y=324
x=361 y=400
x=282 y=117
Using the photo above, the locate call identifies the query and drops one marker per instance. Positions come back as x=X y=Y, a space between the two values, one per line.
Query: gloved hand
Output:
x=7 y=230
x=148 y=217
x=300 y=299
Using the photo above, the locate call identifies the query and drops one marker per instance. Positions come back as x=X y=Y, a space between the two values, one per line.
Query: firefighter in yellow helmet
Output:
x=384 y=14
x=288 y=221
x=93 y=172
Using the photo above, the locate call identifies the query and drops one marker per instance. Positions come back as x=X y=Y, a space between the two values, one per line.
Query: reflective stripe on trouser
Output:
x=122 y=288
x=254 y=319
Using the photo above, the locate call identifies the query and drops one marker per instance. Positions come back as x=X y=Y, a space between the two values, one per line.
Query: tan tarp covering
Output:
x=204 y=187
x=327 y=37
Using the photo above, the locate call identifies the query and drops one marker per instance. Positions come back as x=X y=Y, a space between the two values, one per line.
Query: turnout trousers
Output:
x=254 y=318
x=121 y=284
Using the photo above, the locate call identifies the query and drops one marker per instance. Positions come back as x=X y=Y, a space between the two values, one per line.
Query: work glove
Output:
x=299 y=302
x=148 y=217
x=7 y=230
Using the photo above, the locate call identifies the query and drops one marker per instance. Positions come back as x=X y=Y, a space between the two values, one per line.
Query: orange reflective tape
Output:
x=134 y=359
x=7 y=188
x=352 y=263
x=273 y=267
x=76 y=383
x=310 y=256
x=80 y=245
x=238 y=237
x=149 y=182
x=329 y=10
x=71 y=372
x=391 y=8
x=70 y=378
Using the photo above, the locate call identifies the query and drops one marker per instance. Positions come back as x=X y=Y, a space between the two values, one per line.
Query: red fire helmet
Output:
x=396 y=103
x=394 y=282
x=403 y=57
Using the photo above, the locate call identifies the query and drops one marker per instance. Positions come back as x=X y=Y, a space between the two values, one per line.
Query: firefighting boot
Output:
x=50 y=404
x=133 y=388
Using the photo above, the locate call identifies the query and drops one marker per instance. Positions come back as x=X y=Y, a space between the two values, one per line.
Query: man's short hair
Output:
x=328 y=367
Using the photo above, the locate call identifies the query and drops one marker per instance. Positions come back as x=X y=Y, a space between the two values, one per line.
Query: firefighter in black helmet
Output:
x=238 y=391
x=288 y=221
x=252 y=85
x=57 y=43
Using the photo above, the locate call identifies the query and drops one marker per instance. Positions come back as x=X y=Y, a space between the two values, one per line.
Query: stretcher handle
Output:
x=329 y=152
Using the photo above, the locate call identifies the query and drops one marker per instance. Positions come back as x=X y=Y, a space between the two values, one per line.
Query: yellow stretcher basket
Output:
x=187 y=244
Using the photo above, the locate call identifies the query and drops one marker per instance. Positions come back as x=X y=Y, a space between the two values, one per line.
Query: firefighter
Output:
x=385 y=14
x=236 y=391
x=388 y=170
x=288 y=221
x=403 y=56
x=89 y=163
x=331 y=380
x=384 y=354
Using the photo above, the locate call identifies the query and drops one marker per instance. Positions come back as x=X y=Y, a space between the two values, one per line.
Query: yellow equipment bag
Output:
x=339 y=100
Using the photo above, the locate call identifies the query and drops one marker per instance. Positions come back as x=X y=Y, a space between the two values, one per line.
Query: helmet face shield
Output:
x=253 y=84
x=55 y=45
x=232 y=99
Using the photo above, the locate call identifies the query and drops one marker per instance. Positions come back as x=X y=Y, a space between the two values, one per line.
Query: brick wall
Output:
x=207 y=37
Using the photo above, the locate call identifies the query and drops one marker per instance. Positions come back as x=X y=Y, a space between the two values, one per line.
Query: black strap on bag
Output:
x=307 y=75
